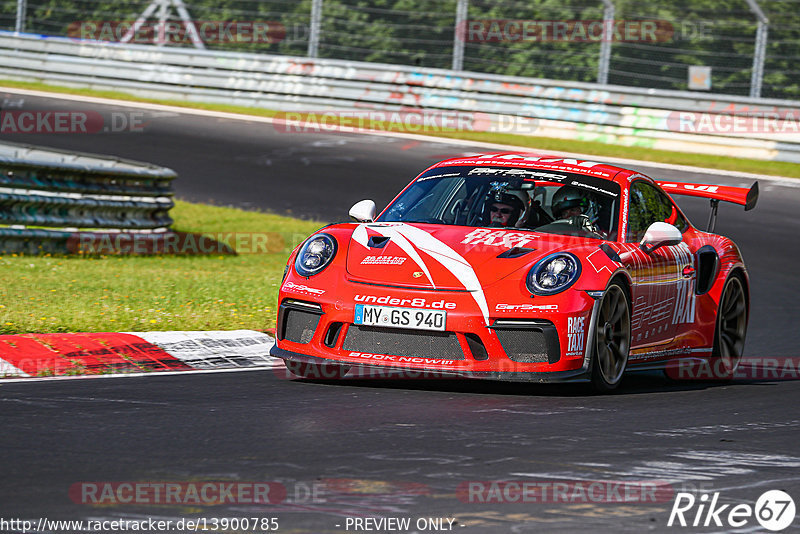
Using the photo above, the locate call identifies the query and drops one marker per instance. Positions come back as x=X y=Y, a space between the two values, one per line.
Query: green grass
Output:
x=776 y=168
x=136 y=293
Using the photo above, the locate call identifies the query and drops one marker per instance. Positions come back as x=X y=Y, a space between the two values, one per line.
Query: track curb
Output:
x=27 y=356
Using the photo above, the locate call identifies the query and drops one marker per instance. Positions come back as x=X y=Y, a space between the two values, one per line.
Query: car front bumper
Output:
x=545 y=342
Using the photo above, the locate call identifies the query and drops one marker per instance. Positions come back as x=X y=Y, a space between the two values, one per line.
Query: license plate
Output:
x=390 y=316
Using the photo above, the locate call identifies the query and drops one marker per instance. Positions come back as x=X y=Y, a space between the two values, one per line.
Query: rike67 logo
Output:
x=774 y=510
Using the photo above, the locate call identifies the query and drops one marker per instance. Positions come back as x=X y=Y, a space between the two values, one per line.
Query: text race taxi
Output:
x=518 y=267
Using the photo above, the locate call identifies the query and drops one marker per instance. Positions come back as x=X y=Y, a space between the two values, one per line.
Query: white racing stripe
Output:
x=360 y=236
x=405 y=236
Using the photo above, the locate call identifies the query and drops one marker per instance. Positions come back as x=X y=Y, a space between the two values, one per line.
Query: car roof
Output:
x=525 y=160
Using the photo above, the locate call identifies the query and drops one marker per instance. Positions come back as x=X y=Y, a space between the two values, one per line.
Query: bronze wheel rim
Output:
x=613 y=329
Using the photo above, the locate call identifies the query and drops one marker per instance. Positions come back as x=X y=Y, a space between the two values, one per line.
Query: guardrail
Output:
x=588 y=112
x=78 y=195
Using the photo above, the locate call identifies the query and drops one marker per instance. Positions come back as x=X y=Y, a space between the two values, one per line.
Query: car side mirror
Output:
x=363 y=211
x=660 y=234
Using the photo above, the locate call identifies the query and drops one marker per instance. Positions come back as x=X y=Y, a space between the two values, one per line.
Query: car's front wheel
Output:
x=313 y=371
x=612 y=340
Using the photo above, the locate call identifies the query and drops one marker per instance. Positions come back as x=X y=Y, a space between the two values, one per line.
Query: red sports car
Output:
x=518 y=267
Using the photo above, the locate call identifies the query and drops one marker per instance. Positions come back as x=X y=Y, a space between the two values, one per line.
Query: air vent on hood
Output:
x=377 y=241
x=516 y=252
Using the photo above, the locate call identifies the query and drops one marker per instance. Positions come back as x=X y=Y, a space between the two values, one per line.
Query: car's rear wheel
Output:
x=731 y=328
x=313 y=371
x=612 y=340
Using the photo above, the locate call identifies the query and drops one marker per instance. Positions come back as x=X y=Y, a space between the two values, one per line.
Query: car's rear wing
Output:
x=738 y=195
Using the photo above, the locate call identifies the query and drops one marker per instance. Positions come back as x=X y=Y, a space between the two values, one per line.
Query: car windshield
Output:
x=550 y=202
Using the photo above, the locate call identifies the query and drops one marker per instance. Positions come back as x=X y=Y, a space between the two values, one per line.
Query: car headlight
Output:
x=315 y=255
x=553 y=274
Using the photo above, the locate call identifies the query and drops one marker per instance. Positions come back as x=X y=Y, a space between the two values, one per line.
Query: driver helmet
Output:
x=569 y=197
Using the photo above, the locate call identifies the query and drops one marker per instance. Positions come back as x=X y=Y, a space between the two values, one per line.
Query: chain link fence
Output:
x=647 y=43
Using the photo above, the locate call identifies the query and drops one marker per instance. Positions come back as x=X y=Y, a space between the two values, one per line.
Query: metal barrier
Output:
x=570 y=110
x=78 y=195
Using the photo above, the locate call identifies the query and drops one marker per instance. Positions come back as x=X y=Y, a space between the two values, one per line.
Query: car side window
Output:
x=649 y=205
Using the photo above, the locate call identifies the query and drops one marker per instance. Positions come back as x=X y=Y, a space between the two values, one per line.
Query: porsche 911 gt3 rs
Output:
x=519 y=267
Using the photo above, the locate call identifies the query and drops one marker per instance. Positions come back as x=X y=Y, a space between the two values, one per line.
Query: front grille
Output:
x=409 y=343
x=529 y=342
x=299 y=325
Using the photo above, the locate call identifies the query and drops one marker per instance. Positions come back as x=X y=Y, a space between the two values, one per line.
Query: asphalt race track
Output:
x=399 y=449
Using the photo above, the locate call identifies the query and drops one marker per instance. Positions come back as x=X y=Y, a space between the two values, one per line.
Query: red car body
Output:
x=477 y=276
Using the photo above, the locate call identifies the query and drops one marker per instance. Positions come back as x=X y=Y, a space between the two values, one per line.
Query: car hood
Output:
x=428 y=256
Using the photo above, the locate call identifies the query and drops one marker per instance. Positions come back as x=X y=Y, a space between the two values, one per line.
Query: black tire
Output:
x=731 y=328
x=313 y=371
x=612 y=339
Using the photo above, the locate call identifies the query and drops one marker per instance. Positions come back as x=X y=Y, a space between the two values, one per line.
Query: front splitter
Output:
x=576 y=375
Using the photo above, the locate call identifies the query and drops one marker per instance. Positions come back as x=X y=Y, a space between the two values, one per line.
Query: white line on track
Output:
x=773 y=482
x=791 y=182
